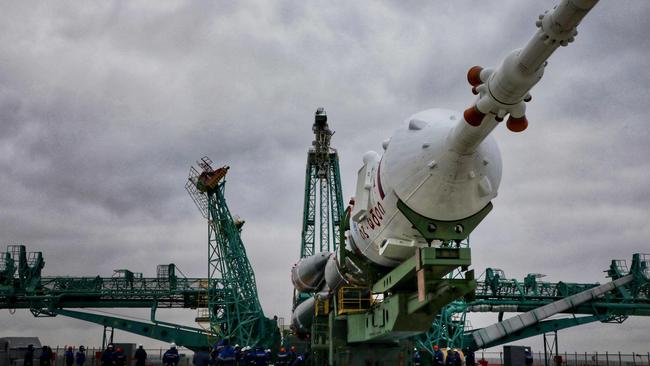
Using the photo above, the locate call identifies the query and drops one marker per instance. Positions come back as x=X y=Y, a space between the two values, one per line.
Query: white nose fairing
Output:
x=422 y=168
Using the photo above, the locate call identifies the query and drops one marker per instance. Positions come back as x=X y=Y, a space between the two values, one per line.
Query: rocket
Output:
x=437 y=176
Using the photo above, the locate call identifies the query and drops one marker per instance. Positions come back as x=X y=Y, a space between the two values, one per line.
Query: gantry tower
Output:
x=323 y=198
x=233 y=304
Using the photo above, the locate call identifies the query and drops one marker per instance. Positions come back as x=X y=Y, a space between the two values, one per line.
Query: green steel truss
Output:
x=234 y=308
x=323 y=202
x=189 y=337
x=22 y=287
x=499 y=295
x=230 y=289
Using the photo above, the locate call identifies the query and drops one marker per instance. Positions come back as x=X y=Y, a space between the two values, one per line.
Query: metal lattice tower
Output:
x=323 y=196
x=234 y=308
x=497 y=294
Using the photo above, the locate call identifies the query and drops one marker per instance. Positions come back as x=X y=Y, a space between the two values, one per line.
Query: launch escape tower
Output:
x=233 y=305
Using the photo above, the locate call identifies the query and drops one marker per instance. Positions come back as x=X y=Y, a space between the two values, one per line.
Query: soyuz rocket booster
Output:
x=437 y=177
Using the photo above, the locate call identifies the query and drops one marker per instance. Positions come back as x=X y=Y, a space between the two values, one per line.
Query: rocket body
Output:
x=439 y=173
x=421 y=167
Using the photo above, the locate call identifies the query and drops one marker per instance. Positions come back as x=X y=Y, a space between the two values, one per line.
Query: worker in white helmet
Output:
x=171 y=357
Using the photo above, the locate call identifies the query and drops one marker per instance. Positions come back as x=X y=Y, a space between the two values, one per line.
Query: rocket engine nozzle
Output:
x=474 y=76
x=517 y=124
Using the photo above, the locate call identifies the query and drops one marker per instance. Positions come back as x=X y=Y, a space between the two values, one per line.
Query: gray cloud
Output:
x=104 y=106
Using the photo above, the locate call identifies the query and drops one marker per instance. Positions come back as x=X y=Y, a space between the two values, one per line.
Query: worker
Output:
x=226 y=355
x=80 y=356
x=237 y=349
x=438 y=356
x=449 y=360
x=171 y=357
x=458 y=358
x=469 y=357
x=260 y=357
x=119 y=358
x=202 y=357
x=107 y=356
x=213 y=355
x=282 y=357
x=453 y=358
x=292 y=354
x=68 y=355
x=45 y=358
x=301 y=359
x=416 y=357
x=216 y=349
x=248 y=358
x=140 y=356
x=29 y=356
x=528 y=360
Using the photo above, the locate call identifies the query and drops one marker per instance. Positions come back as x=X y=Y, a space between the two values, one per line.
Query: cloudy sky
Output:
x=105 y=105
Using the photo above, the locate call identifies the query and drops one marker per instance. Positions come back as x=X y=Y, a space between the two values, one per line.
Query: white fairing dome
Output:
x=433 y=180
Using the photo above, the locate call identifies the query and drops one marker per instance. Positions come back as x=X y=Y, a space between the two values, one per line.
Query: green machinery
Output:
x=349 y=324
x=23 y=287
x=229 y=292
x=614 y=304
x=234 y=309
x=426 y=299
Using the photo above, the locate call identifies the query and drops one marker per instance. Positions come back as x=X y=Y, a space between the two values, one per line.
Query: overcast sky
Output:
x=105 y=105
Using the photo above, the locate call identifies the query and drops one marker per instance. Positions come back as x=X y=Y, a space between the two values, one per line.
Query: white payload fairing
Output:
x=437 y=176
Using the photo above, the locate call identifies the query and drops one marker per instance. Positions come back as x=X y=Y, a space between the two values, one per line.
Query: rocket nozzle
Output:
x=474 y=76
x=473 y=116
x=517 y=124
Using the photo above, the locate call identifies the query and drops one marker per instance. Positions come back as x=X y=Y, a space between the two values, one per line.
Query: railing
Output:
x=154 y=357
x=322 y=307
x=353 y=300
x=320 y=333
x=576 y=358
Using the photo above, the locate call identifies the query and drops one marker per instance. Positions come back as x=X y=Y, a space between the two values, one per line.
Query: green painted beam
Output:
x=536 y=329
x=192 y=338
x=389 y=320
x=415 y=291
x=637 y=308
x=437 y=262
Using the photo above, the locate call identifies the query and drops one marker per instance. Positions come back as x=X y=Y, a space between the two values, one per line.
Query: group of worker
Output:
x=453 y=357
x=47 y=357
x=224 y=354
x=114 y=356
